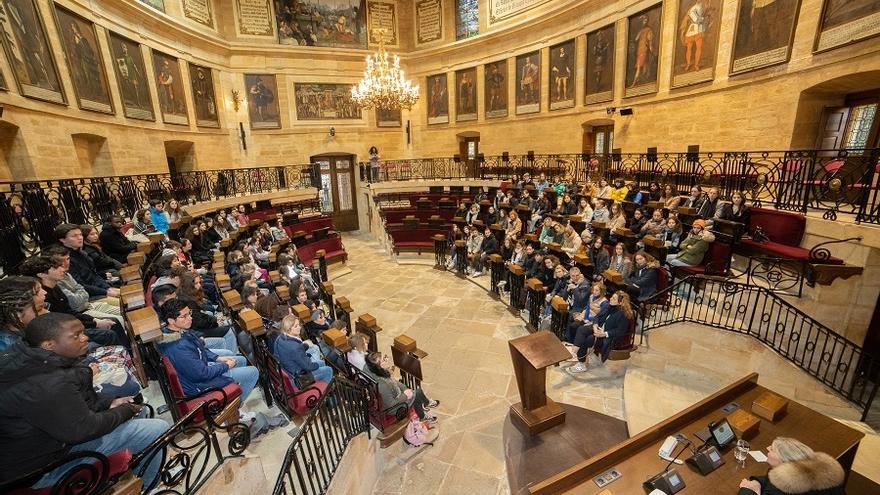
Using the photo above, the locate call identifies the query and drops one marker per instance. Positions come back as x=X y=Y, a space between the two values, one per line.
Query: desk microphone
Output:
x=667 y=481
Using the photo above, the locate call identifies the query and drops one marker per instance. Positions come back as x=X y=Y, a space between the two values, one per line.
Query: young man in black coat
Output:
x=48 y=407
x=113 y=241
x=82 y=268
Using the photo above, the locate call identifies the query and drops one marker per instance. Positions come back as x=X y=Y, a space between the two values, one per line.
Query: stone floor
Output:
x=465 y=334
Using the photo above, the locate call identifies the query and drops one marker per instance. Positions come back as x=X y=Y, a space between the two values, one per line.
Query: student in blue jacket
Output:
x=297 y=357
x=158 y=216
x=198 y=367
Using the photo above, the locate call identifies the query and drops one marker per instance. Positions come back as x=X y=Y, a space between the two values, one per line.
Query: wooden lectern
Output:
x=531 y=356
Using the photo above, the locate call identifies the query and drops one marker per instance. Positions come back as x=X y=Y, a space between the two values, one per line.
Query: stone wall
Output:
x=764 y=109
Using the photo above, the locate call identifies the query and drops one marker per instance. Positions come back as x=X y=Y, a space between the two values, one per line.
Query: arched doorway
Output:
x=337 y=189
x=598 y=136
x=840 y=113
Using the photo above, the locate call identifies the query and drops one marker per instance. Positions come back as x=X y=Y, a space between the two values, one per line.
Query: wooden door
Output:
x=833 y=128
x=337 y=189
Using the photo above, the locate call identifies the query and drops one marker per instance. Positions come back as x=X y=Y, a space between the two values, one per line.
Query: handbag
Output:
x=759 y=236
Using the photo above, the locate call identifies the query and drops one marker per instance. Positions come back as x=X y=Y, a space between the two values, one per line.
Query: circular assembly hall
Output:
x=453 y=247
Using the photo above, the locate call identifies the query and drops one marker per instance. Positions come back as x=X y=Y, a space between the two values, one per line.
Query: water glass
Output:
x=741 y=452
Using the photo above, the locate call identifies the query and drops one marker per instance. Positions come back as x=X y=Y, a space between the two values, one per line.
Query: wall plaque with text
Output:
x=429 y=20
x=254 y=17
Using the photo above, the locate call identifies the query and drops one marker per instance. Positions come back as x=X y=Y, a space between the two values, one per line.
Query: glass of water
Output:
x=741 y=452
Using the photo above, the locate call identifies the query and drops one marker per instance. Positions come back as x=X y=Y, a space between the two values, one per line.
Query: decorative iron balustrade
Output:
x=756 y=311
x=830 y=181
x=318 y=447
x=30 y=211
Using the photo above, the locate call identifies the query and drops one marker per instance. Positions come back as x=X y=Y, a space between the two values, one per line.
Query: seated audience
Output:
x=596 y=305
x=796 y=469
x=585 y=211
x=514 y=225
x=175 y=211
x=609 y=327
x=571 y=241
x=710 y=204
x=735 y=210
x=653 y=227
x=221 y=227
x=395 y=393
x=633 y=194
x=198 y=367
x=603 y=191
x=577 y=296
x=638 y=220
x=601 y=213
x=462 y=210
x=670 y=198
x=599 y=258
x=671 y=235
x=113 y=241
x=617 y=218
x=241 y=217
x=21 y=300
x=472 y=214
x=488 y=246
x=642 y=280
x=693 y=248
x=205 y=322
x=50 y=408
x=212 y=235
x=567 y=207
x=619 y=192
x=695 y=199
x=654 y=191
x=77 y=296
x=103 y=262
x=141 y=227
x=491 y=216
x=293 y=354
x=357 y=356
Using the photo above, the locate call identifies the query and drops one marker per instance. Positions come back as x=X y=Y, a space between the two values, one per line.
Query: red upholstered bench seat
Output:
x=232 y=391
x=332 y=246
x=302 y=403
x=420 y=239
x=784 y=230
x=118 y=464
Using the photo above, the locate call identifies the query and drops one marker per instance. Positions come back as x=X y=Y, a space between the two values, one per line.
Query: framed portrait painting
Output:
x=599 y=72
x=562 y=75
x=169 y=85
x=84 y=61
x=695 y=47
x=847 y=21
x=495 y=89
x=319 y=101
x=528 y=83
x=466 y=94
x=764 y=34
x=388 y=117
x=261 y=92
x=643 y=51
x=335 y=23
x=28 y=51
x=204 y=99
x=131 y=77
x=438 y=99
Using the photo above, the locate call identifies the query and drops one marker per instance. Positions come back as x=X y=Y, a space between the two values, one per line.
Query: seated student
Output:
x=474 y=241
x=158 y=215
x=602 y=191
x=620 y=261
x=654 y=191
x=607 y=329
x=205 y=320
x=735 y=210
x=506 y=250
x=696 y=198
x=211 y=233
x=601 y=213
x=498 y=199
x=241 y=217
x=395 y=393
x=638 y=220
x=221 y=227
x=547 y=231
x=491 y=216
x=198 y=367
x=91 y=246
x=567 y=207
x=586 y=242
x=291 y=352
x=539 y=209
x=519 y=255
x=514 y=225
x=599 y=258
x=670 y=198
x=50 y=408
x=49 y=273
x=231 y=221
x=357 y=356
x=317 y=324
x=462 y=210
x=77 y=296
x=693 y=248
x=642 y=280
x=633 y=194
x=585 y=211
x=796 y=469
x=710 y=204
x=140 y=227
x=597 y=303
x=619 y=191
x=472 y=214
x=671 y=235
x=82 y=268
x=653 y=227
x=113 y=241
x=571 y=241
x=487 y=247
x=559 y=287
x=577 y=296
x=617 y=218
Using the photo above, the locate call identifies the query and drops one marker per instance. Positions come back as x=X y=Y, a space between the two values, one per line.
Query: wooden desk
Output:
x=637 y=459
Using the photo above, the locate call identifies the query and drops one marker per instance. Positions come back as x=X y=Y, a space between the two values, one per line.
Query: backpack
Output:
x=416 y=433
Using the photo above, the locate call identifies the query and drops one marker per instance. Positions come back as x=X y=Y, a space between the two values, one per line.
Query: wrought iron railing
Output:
x=29 y=211
x=830 y=181
x=756 y=311
x=318 y=447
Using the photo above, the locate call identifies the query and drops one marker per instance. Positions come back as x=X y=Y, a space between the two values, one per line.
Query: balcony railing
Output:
x=29 y=211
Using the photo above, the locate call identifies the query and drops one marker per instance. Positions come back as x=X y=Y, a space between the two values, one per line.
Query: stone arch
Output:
x=15 y=161
x=813 y=100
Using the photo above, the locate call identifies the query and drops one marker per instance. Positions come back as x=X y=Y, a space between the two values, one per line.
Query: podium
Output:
x=531 y=356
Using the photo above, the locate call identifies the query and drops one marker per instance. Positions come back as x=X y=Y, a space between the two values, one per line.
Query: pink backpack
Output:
x=416 y=433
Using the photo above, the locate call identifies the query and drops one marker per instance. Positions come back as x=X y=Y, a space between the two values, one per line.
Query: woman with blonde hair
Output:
x=796 y=469
x=514 y=226
x=357 y=356
x=608 y=328
x=571 y=241
x=618 y=219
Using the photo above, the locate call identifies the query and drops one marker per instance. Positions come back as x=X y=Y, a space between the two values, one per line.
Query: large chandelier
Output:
x=384 y=84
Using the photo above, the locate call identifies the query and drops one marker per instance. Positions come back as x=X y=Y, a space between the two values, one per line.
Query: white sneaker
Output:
x=578 y=368
x=246 y=417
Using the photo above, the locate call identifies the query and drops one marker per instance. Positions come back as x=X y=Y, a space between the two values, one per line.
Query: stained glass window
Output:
x=467 y=18
x=861 y=119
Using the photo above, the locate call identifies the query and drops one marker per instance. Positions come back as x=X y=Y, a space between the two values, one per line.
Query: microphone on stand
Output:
x=668 y=481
